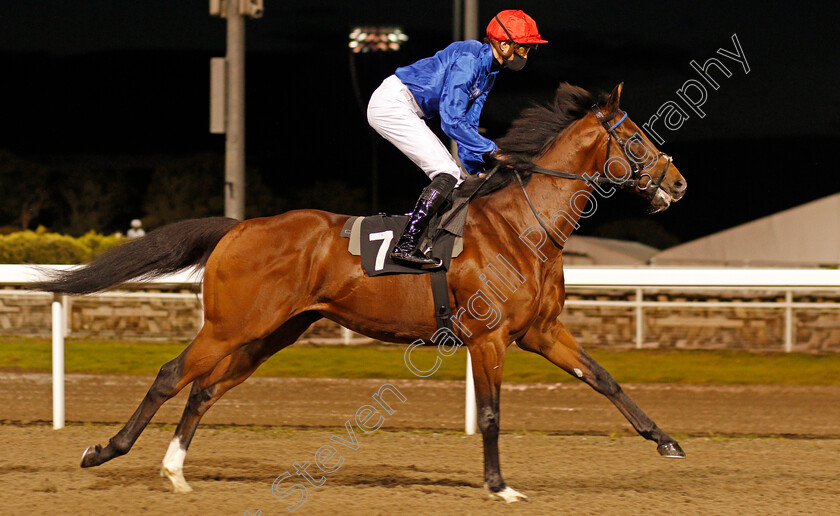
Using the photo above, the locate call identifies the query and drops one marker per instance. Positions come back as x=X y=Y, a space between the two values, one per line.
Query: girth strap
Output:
x=440 y=294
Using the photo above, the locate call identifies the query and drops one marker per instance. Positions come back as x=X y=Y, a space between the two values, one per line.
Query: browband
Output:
x=619 y=122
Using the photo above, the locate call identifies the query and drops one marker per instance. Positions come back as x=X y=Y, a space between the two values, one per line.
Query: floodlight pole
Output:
x=465 y=11
x=457 y=19
x=470 y=19
x=227 y=98
x=235 y=119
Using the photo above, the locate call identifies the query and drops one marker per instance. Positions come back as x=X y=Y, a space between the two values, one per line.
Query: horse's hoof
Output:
x=510 y=495
x=90 y=457
x=671 y=450
x=179 y=483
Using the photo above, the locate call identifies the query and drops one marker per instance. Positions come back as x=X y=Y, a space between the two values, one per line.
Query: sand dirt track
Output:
x=751 y=450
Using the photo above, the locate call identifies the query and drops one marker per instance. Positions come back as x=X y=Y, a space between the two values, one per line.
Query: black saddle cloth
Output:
x=379 y=234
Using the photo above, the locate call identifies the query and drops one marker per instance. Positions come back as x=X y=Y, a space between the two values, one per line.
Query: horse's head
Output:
x=630 y=159
x=579 y=132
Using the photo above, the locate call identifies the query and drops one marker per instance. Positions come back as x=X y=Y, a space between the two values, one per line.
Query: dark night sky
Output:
x=103 y=78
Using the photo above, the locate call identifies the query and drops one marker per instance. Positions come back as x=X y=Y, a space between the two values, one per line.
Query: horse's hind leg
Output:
x=200 y=357
x=230 y=372
x=554 y=342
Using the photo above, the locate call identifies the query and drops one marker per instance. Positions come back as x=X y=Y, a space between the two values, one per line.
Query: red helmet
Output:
x=514 y=25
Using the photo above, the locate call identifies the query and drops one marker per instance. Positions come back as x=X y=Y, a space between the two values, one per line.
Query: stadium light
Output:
x=376 y=39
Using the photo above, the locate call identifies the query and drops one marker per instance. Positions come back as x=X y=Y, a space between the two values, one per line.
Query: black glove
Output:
x=489 y=159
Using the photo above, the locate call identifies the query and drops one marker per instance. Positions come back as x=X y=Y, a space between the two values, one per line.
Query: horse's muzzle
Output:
x=660 y=202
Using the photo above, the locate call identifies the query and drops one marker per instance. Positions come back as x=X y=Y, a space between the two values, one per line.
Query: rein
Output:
x=557 y=244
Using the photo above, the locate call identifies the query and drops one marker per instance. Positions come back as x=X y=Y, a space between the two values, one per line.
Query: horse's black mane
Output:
x=531 y=135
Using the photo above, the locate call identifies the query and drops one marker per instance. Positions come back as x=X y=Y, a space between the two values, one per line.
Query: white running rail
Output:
x=638 y=278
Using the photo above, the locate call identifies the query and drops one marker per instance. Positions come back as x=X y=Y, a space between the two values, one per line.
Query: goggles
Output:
x=523 y=50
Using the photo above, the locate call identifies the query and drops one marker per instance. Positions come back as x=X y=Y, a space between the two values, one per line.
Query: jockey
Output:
x=452 y=84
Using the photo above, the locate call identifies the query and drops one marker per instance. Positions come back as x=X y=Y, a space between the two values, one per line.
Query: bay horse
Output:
x=266 y=280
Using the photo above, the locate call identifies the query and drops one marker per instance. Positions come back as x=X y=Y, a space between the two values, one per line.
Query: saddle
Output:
x=372 y=238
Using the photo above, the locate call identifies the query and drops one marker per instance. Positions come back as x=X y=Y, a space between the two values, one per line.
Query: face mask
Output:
x=514 y=63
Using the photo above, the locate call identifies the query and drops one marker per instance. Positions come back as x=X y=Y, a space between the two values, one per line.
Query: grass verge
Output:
x=387 y=361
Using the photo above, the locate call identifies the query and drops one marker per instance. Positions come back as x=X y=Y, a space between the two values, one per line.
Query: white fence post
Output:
x=470 y=411
x=67 y=314
x=640 y=319
x=788 y=321
x=58 y=330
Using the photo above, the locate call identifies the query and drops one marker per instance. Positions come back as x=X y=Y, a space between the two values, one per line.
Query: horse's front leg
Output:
x=554 y=341
x=487 y=362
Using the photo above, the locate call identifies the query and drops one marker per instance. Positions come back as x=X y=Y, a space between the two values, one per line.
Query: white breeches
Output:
x=394 y=113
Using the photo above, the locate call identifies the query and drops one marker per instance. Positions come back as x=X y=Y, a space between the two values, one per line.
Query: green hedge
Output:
x=40 y=246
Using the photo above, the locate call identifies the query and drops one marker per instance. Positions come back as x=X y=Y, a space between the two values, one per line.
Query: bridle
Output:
x=637 y=173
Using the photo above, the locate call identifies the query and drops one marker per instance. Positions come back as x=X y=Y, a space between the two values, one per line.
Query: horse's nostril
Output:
x=679 y=185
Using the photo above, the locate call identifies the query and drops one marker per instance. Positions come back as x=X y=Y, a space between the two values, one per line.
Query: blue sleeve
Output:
x=476 y=160
x=459 y=119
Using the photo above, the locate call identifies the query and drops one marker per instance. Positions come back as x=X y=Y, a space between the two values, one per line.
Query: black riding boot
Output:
x=406 y=251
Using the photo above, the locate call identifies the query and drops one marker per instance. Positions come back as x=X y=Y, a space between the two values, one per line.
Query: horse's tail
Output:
x=162 y=251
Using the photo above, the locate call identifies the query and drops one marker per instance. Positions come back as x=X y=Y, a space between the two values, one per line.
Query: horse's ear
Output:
x=615 y=96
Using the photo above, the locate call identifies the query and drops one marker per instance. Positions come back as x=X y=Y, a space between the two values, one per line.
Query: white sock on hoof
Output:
x=173 y=466
x=510 y=495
